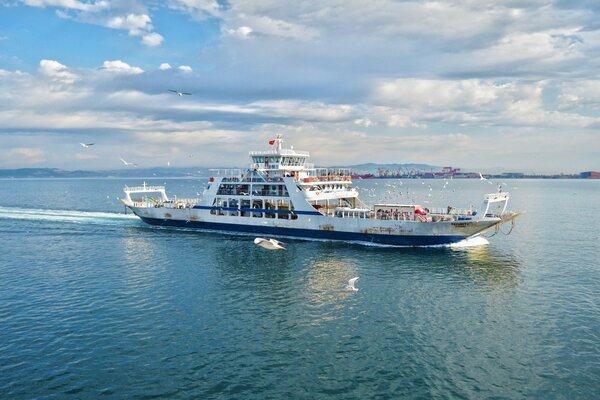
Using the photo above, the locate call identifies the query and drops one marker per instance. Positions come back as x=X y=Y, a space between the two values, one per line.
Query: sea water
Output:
x=94 y=303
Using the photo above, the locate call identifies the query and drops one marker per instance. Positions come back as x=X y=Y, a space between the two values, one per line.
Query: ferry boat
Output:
x=281 y=194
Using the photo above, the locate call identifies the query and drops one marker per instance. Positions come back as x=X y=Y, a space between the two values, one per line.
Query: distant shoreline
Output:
x=202 y=173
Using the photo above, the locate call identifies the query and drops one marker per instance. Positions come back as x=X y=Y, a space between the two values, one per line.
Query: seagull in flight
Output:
x=269 y=244
x=481 y=178
x=180 y=93
x=351 y=283
x=86 y=145
x=129 y=163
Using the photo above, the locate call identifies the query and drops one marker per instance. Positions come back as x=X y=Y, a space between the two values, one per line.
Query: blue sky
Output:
x=465 y=83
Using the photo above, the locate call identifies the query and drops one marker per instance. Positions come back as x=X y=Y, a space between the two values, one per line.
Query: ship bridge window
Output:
x=269 y=190
x=292 y=161
x=234 y=189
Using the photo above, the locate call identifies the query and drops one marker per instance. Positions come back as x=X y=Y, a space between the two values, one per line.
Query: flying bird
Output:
x=180 y=93
x=351 y=283
x=86 y=145
x=129 y=163
x=269 y=244
x=481 y=178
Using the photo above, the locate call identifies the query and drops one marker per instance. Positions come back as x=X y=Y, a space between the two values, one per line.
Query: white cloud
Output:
x=27 y=155
x=118 y=66
x=114 y=15
x=470 y=102
x=165 y=66
x=438 y=93
x=267 y=26
x=402 y=121
x=304 y=110
x=57 y=71
x=545 y=47
x=197 y=8
x=185 y=68
x=70 y=4
x=136 y=24
x=366 y=122
x=242 y=32
x=584 y=93
x=152 y=39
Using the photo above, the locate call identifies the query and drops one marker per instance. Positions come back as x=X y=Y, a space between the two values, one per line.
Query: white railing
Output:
x=227 y=172
x=133 y=189
x=323 y=172
x=282 y=152
x=451 y=211
x=497 y=196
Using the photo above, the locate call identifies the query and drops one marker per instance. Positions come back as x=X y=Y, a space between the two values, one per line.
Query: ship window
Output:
x=244 y=208
x=242 y=190
x=220 y=203
x=225 y=189
x=257 y=205
x=284 y=206
x=232 y=203
x=269 y=206
x=260 y=190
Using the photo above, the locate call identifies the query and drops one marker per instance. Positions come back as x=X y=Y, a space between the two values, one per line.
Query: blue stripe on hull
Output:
x=395 y=240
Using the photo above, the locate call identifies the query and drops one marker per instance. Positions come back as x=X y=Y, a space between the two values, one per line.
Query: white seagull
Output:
x=86 y=145
x=351 y=283
x=481 y=178
x=180 y=93
x=129 y=163
x=269 y=244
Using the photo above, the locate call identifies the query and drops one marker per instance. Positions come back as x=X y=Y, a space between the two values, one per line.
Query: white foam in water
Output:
x=65 y=215
x=472 y=242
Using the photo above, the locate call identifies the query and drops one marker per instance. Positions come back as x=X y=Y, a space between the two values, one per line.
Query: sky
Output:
x=465 y=83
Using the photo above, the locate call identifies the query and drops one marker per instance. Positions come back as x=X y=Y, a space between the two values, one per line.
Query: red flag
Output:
x=272 y=142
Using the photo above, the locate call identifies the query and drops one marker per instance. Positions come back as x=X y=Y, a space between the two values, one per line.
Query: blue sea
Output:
x=96 y=304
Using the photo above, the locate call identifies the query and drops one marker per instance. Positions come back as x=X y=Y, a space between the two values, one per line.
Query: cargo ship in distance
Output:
x=281 y=194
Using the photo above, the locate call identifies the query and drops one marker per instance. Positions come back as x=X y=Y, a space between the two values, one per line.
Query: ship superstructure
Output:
x=282 y=194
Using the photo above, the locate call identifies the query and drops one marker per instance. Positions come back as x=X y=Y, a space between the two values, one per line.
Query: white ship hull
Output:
x=398 y=233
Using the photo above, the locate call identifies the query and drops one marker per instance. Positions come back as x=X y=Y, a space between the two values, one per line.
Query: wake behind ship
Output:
x=281 y=194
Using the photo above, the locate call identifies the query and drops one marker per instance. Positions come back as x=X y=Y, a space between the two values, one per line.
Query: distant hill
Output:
x=119 y=173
